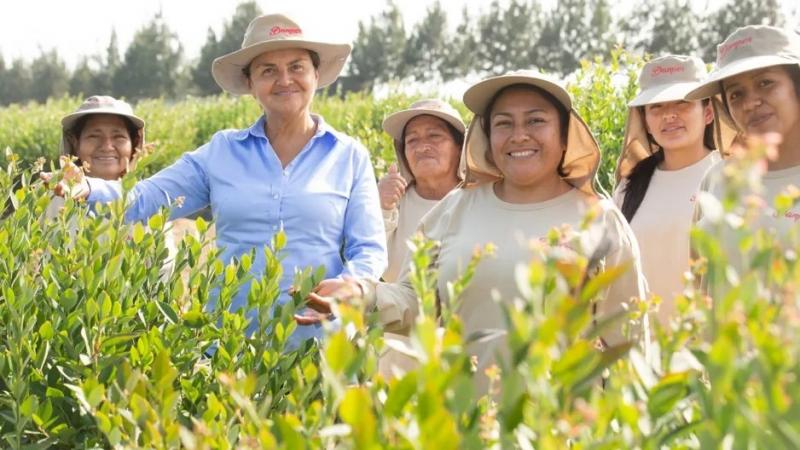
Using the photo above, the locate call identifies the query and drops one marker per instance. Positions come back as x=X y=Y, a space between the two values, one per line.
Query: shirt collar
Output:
x=257 y=129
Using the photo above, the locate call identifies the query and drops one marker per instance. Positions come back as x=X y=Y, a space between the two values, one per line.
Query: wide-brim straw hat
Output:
x=582 y=154
x=276 y=32
x=98 y=104
x=749 y=48
x=395 y=124
x=667 y=79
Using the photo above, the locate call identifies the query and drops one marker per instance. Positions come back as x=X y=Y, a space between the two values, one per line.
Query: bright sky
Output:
x=83 y=27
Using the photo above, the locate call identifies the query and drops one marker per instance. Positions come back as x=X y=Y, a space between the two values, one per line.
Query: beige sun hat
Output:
x=582 y=156
x=394 y=124
x=98 y=104
x=666 y=79
x=749 y=48
x=276 y=32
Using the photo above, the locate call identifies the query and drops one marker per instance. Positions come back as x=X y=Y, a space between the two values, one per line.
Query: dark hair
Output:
x=455 y=133
x=563 y=116
x=133 y=131
x=642 y=173
x=311 y=53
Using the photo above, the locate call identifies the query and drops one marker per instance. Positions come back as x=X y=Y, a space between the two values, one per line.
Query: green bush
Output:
x=102 y=349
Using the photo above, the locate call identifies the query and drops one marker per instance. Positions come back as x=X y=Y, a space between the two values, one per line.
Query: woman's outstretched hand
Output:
x=73 y=182
x=321 y=298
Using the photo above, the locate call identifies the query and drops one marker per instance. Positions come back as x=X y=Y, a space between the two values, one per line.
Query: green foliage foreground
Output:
x=101 y=349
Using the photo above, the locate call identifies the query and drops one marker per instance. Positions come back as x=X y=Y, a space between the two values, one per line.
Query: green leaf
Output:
x=338 y=352
x=138 y=233
x=668 y=392
x=400 y=393
x=356 y=411
x=29 y=406
x=46 y=331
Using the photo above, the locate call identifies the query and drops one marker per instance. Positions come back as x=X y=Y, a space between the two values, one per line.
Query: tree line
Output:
x=504 y=36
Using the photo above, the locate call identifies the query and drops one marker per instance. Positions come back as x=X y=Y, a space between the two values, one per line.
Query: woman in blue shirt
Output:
x=289 y=170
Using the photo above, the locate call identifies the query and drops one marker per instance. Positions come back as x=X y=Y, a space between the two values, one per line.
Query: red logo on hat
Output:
x=666 y=70
x=727 y=48
x=278 y=30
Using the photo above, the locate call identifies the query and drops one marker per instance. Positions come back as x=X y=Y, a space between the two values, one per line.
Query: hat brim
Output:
x=70 y=119
x=664 y=93
x=581 y=160
x=227 y=69
x=477 y=97
x=712 y=85
x=395 y=123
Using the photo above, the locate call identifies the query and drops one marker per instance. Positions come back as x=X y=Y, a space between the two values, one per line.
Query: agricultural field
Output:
x=101 y=349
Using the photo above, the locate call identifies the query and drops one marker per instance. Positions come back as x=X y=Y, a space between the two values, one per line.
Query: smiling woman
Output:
x=669 y=144
x=530 y=166
x=758 y=75
x=288 y=171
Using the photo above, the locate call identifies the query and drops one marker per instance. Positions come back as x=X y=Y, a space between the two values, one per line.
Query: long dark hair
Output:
x=642 y=173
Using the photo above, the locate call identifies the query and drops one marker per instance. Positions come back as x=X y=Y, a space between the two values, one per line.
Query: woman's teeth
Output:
x=522 y=153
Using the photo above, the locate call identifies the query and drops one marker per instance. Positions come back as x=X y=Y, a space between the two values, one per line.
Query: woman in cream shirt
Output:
x=669 y=145
x=531 y=161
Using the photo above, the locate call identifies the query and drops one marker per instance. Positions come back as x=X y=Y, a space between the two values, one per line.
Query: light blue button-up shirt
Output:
x=326 y=200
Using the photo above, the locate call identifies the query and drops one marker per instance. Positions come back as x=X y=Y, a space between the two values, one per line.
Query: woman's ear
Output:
x=708 y=113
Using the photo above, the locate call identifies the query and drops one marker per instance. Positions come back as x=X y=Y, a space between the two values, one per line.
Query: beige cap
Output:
x=394 y=124
x=582 y=156
x=275 y=32
x=666 y=79
x=749 y=48
x=98 y=104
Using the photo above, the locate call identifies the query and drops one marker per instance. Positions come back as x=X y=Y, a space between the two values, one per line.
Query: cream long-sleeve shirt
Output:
x=400 y=223
x=785 y=226
x=662 y=225
x=469 y=218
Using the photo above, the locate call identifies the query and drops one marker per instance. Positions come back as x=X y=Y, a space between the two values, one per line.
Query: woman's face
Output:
x=283 y=81
x=526 y=138
x=678 y=125
x=104 y=146
x=763 y=101
x=430 y=149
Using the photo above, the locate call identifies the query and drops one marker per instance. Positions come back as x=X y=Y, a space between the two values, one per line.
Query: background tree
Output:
x=662 y=27
x=505 y=36
x=16 y=83
x=230 y=40
x=378 y=49
x=734 y=14
x=574 y=30
x=49 y=77
x=151 y=63
x=425 y=52
x=459 y=59
x=82 y=80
